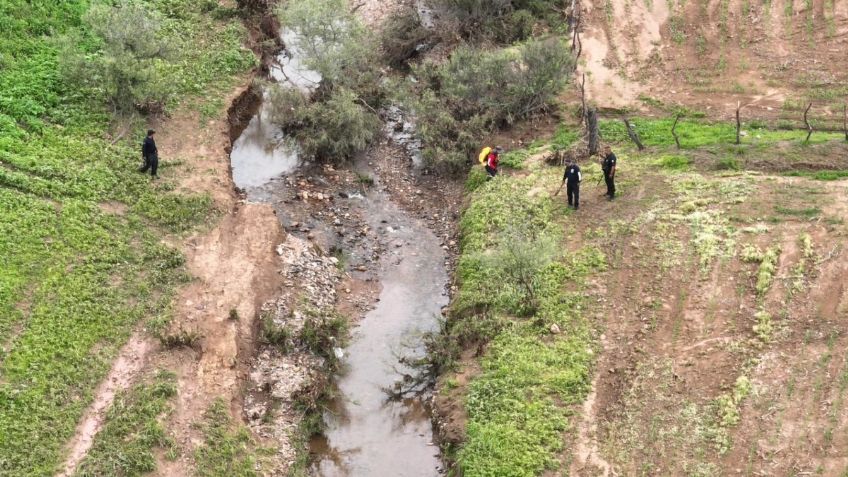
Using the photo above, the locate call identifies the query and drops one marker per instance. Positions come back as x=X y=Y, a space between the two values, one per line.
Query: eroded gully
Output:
x=365 y=433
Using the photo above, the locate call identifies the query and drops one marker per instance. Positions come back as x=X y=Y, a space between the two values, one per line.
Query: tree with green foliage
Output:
x=477 y=91
x=339 y=119
x=123 y=64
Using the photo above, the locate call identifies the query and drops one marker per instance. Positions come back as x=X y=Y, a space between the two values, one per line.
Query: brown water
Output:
x=366 y=435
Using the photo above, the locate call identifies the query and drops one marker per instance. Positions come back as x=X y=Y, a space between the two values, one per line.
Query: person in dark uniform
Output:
x=608 y=166
x=572 y=179
x=150 y=154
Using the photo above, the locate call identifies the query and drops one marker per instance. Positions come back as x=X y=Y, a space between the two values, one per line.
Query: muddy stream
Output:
x=365 y=433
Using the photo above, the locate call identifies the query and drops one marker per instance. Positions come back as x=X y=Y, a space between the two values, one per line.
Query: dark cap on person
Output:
x=150 y=132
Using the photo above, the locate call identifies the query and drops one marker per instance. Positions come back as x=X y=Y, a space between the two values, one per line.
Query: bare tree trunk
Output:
x=594 y=135
x=738 y=125
x=673 y=131
x=807 y=123
x=583 y=101
x=634 y=136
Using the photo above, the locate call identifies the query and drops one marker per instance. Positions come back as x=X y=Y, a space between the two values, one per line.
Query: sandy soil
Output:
x=710 y=56
x=674 y=340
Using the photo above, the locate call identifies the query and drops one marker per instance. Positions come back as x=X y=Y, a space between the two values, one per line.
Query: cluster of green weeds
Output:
x=227 y=450
x=126 y=444
x=518 y=406
x=77 y=274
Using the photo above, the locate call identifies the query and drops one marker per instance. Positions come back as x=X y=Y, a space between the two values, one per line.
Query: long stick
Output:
x=845 y=119
x=809 y=127
x=634 y=136
x=673 y=133
x=738 y=125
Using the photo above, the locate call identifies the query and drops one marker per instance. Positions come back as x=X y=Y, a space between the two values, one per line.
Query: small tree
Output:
x=518 y=260
x=331 y=40
x=124 y=67
x=330 y=130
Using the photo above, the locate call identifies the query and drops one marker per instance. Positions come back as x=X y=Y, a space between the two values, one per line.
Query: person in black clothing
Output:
x=150 y=154
x=572 y=179
x=608 y=166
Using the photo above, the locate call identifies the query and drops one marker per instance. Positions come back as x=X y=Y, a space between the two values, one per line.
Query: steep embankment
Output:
x=94 y=252
x=773 y=56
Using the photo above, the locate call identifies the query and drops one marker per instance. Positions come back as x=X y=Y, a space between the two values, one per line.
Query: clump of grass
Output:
x=275 y=335
x=364 y=179
x=233 y=315
x=675 y=163
x=514 y=159
x=728 y=163
x=227 y=450
x=808 y=213
x=819 y=175
x=752 y=254
x=768 y=267
x=727 y=412
x=806 y=243
x=181 y=338
x=764 y=327
x=321 y=333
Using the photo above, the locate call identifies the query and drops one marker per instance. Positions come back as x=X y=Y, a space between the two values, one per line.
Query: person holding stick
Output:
x=571 y=179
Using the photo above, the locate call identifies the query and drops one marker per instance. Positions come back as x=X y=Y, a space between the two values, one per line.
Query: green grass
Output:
x=696 y=134
x=75 y=279
x=125 y=446
x=518 y=406
x=820 y=175
x=674 y=163
x=228 y=450
x=807 y=212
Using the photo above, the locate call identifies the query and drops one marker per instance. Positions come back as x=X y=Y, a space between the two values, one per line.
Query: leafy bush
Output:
x=728 y=163
x=333 y=42
x=402 y=36
x=518 y=263
x=331 y=130
x=477 y=91
x=125 y=67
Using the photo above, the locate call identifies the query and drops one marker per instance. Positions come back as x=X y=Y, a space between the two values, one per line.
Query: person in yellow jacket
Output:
x=489 y=158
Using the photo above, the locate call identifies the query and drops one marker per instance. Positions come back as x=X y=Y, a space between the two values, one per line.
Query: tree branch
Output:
x=807 y=123
x=673 y=131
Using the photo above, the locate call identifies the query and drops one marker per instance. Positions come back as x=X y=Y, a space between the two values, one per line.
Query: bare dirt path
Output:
x=130 y=362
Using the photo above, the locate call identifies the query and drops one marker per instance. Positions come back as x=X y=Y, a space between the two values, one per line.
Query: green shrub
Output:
x=402 y=36
x=334 y=42
x=124 y=69
x=764 y=327
x=331 y=130
x=500 y=20
x=477 y=91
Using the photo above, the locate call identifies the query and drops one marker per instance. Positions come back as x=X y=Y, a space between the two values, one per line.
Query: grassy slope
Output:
x=518 y=405
x=75 y=280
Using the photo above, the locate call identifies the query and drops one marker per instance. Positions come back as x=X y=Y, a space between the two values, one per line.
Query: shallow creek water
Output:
x=366 y=435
